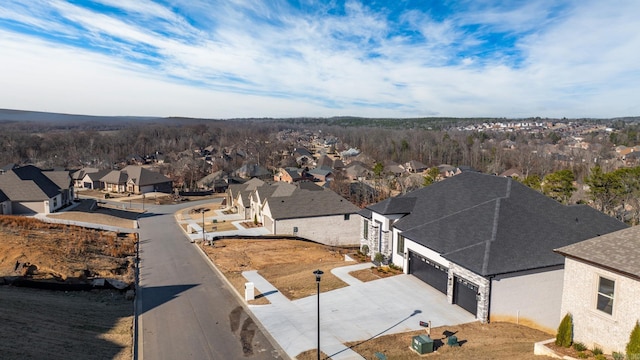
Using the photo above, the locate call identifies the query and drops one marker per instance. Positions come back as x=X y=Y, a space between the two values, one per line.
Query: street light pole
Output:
x=203 y=232
x=318 y=273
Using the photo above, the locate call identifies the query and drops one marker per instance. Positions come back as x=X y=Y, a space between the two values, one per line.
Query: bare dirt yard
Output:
x=289 y=264
x=102 y=216
x=44 y=324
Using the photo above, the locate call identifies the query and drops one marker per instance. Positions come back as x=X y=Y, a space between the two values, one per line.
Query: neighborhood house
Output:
x=602 y=288
x=30 y=190
x=485 y=242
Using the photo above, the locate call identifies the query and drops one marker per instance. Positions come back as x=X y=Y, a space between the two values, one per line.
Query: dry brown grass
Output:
x=286 y=264
x=375 y=273
x=497 y=341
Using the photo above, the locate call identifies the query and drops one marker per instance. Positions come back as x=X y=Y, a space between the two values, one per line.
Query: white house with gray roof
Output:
x=602 y=288
x=322 y=216
x=485 y=242
x=301 y=209
x=31 y=190
x=137 y=180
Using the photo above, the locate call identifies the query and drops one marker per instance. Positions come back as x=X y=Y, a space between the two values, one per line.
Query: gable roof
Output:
x=493 y=225
x=114 y=177
x=305 y=203
x=95 y=176
x=617 y=251
x=142 y=176
x=61 y=178
x=27 y=183
x=79 y=174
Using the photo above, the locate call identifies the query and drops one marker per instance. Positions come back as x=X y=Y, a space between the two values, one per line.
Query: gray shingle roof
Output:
x=27 y=183
x=305 y=203
x=142 y=176
x=114 y=177
x=61 y=178
x=617 y=251
x=493 y=225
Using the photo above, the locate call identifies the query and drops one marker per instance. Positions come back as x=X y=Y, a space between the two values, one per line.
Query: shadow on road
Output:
x=155 y=296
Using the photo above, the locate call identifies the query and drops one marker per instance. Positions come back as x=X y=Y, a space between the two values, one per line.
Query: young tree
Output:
x=564 y=337
x=533 y=181
x=604 y=189
x=633 y=347
x=559 y=185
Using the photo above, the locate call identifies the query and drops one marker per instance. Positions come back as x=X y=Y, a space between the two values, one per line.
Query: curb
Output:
x=248 y=311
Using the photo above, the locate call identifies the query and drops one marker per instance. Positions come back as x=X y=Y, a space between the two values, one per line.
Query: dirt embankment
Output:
x=43 y=324
x=36 y=250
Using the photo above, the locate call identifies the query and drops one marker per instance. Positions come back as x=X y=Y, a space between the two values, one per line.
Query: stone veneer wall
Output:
x=482 y=313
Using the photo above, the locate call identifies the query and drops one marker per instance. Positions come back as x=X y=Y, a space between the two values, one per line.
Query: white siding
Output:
x=590 y=325
x=530 y=298
x=419 y=249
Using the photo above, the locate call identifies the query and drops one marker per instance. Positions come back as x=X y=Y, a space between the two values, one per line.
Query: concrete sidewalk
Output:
x=358 y=312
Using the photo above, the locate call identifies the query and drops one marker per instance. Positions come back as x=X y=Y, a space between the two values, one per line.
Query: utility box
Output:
x=422 y=344
x=249 y=291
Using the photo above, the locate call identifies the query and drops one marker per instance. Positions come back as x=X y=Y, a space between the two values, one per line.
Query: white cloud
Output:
x=248 y=58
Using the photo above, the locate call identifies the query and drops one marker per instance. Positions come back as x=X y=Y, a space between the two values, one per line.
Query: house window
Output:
x=605 y=295
x=365 y=230
x=400 y=247
x=346 y=217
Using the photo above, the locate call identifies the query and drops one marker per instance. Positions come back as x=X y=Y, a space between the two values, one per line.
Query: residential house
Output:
x=63 y=181
x=137 y=180
x=217 y=181
x=31 y=191
x=447 y=171
x=320 y=215
x=602 y=288
x=238 y=196
x=486 y=242
x=303 y=156
x=248 y=171
x=393 y=168
x=292 y=174
x=89 y=178
x=512 y=173
x=357 y=171
x=415 y=166
x=321 y=173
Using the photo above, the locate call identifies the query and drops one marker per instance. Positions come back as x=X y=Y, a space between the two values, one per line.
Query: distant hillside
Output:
x=7 y=115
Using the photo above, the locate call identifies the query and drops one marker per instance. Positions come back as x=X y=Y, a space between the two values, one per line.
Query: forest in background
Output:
x=73 y=142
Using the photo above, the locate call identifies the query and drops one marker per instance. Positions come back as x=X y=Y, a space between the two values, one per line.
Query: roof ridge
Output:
x=494 y=230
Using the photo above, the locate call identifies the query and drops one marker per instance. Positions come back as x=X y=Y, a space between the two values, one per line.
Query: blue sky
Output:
x=276 y=58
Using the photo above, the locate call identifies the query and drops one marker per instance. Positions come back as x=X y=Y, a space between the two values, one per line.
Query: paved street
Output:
x=186 y=310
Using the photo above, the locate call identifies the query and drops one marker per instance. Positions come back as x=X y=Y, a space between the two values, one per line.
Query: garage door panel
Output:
x=465 y=295
x=428 y=271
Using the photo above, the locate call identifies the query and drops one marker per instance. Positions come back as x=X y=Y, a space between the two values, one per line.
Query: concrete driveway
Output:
x=358 y=312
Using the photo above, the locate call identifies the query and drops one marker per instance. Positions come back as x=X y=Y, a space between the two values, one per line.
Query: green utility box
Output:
x=422 y=344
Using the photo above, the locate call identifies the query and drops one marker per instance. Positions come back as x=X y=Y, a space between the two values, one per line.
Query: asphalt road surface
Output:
x=185 y=310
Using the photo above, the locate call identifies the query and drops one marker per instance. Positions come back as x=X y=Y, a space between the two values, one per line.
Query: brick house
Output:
x=602 y=288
